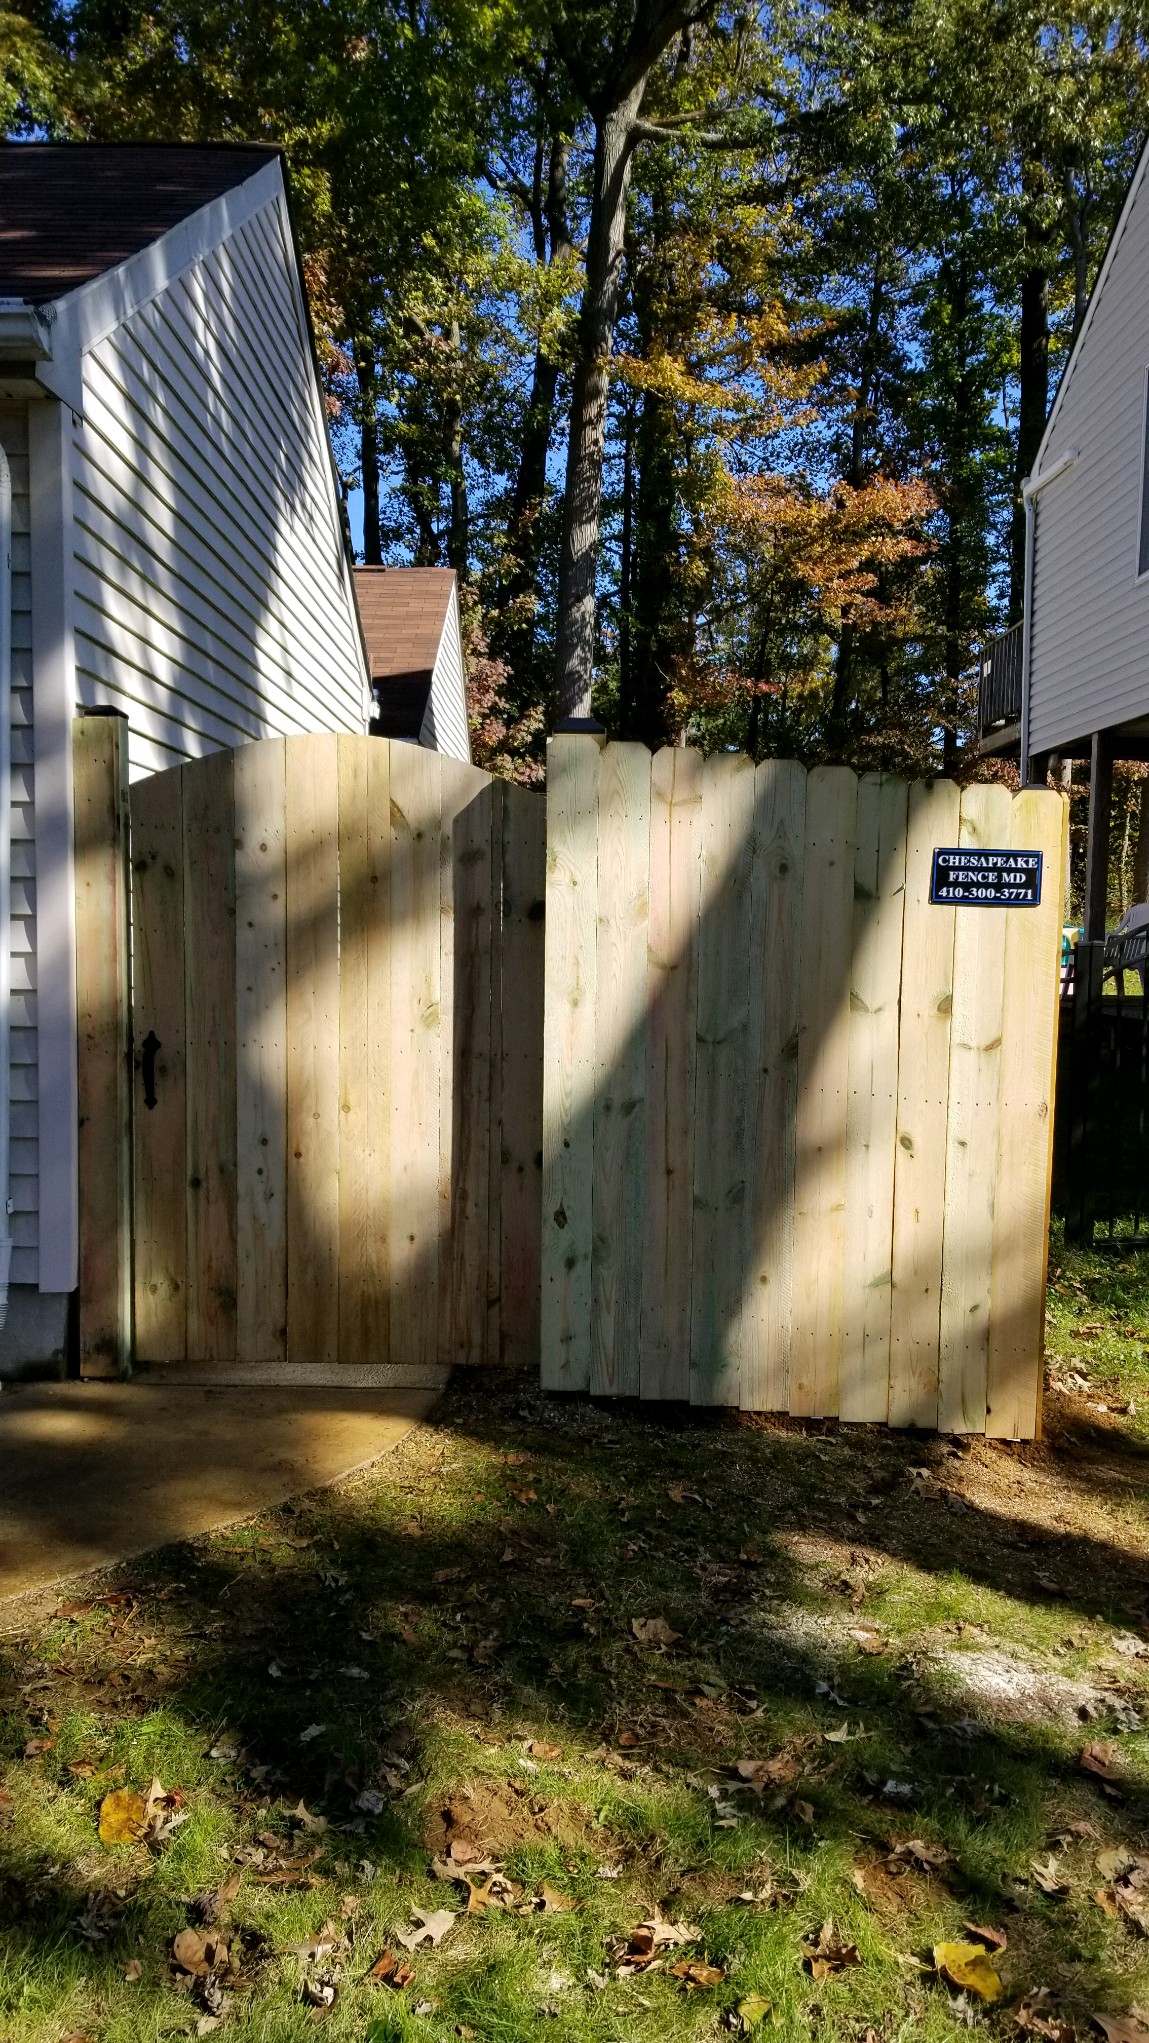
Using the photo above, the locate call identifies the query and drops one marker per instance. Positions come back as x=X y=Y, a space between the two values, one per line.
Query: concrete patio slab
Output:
x=94 y=1473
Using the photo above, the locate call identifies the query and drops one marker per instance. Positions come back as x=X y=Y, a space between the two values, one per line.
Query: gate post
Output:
x=100 y=769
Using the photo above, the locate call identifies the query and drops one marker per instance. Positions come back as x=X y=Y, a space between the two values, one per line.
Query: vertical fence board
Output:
x=721 y=1159
x=364 y=1063
x=776 y=940
x=519 y=993
x=465 y=1108
x=569 y=1060
x=416 y=1023
x=972 y=1133
x=100 y=778
x=497 y=794
x=620 y=1068
x=823 y=1091
x=872 y=1113
x=923 y=1106
x=671 y=1019
x=312 y=780
x=209 y=1009
x=1038 y=822
x=159 y=1132
x=261 y=1063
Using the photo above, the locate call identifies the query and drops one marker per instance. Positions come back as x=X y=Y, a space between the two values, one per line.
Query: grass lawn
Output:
x=801 y=1701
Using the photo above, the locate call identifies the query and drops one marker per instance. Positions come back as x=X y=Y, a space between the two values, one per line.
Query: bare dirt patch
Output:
x=494 y=1820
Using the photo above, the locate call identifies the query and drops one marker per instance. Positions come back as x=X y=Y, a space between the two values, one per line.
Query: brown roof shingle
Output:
x=403 y=612
x=71 y=210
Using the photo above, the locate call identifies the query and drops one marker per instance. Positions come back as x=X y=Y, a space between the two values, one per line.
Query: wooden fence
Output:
x=797 y=1121
x=337 y=1021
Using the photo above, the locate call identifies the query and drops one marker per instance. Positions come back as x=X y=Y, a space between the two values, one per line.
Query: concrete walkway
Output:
x=93 y=1473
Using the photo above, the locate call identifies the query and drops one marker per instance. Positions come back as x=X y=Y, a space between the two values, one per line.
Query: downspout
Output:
x=5 y=875
x=1029 y=491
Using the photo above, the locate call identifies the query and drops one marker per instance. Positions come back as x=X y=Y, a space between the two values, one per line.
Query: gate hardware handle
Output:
x=151 y=1044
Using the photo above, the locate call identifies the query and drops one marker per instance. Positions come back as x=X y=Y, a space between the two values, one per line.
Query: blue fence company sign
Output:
x=986 y=879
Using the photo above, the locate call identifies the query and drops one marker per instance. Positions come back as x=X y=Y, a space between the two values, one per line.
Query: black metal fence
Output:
x=999 y=682
x=1101 y=1132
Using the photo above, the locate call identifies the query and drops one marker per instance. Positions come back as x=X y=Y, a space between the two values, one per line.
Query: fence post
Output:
x=100 y=767
x=1085 y=1008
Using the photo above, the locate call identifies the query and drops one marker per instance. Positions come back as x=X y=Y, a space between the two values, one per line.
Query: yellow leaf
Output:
x=968 y=1966
x=122 y=1817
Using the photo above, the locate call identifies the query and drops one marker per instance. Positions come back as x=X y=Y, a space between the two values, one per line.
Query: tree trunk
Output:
x=578 y=558
x=364 y=355
x=1033 y=404
x=1141 y=862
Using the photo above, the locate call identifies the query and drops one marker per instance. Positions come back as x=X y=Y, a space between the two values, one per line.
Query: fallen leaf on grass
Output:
x=556 y=1903
x=774 y=1773
x=1100 y=1757
x=122 y=1817
x=694 y=1973
x=133 y=1971
x=1129 y=1893
x=388 y=1970
x=1130 y=2028
x=324 y=1941
x=1047 y=1876
x=302 y=1814
x=655 y=1935
x=915 y=1851
x=968 y=1967
x=539 y=1749
x=653 y=1631
x=36 y=1746
x=431 y=1928
x=752 y=2011
x=199 y=1952
x=524 y=1496
x=826 y=1954
x=495 y=1892
x=1036 y=2015
x=679 y=1494
x=583 y=1603
x=804 y=1811
x=995 y=1939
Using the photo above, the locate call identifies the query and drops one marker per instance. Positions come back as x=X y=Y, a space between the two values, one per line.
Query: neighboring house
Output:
x=177 y=555
x=415 y=655
x=1072 y=680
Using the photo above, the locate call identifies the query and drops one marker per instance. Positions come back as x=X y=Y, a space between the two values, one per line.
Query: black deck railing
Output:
x=999 y=682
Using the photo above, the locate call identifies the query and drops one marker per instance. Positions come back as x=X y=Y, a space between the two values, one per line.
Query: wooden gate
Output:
x=797 y=1120
x=337 y=963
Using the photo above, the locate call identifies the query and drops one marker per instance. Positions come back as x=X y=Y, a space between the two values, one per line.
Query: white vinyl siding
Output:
x=23 y=1073
x=1089 y=647
x=445 y=727
x=212 y=599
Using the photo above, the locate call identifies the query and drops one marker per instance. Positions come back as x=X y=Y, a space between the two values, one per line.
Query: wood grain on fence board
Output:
x=493 y=1330
x=1038 y=822
x=620 y=1068
x=671 y=990
x=872 y=1113
x=312 y=782
x=209 y=1009
x=972 y=1133
x=416 y=1023
x=722 y=1109
x=569 y=1060
x=772 y=1076
x=520 y=996
x=923 y=1106
x=364 y=1073
x=160 y=1132
x=823 y=1090
x=260 y=794
x=467 y=879
x=104 y=1074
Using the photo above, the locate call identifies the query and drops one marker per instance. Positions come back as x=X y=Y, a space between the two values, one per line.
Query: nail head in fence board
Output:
x=159 y=1136
x=520 y=996
x=100 y=779
x=671 y=1021
x=1024 y=1165
x=823 y=1091
x=364 y=999
x=620 y=1068
x=972 y=1133
x=261 y=1035
x=923 y=1096
x=722 y=1134
x=209 y=1011
x=312 y=781
x=568 y=1060
x=465 y=1038
x=776 y=942
x=417 y=1062
x=872 y=1114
